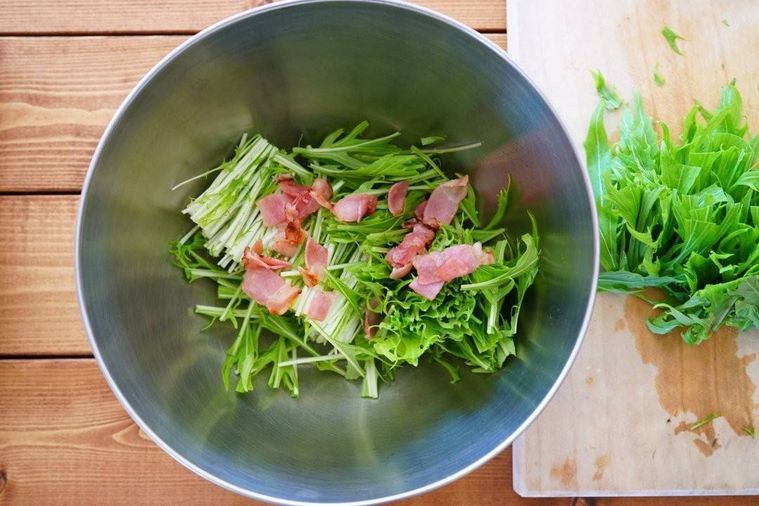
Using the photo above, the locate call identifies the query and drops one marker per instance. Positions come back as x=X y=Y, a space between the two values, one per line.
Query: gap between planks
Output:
x=182 y=16
x=79 y=356
x=77 y=34
x=148 y=33
x=64 y=435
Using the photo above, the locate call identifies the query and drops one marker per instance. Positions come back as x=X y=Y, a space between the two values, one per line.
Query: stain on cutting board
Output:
x=700 y=380
x=599 y=467
x=706 y=442
x=565 y=472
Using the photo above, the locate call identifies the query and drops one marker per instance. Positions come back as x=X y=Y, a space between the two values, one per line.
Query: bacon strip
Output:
x=322 y=188
x=444 y=201
x=401 y=272
x=352 y=208
x=288 y=239
x=267 y=288
x=320 y=304
x=272 y=209
x=290 y=207
x=317 y=259
x=427 y=290
x=439 y=267
x=396 y=198
x=304 y=200
x=419 y=211
x=288 y=186
x=301 y=207
x=251 y=259
x=413 y=244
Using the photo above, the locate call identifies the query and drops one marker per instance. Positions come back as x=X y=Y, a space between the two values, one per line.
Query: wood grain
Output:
x=631 y=398
x=56 y=96
x=622 y=424
x=64 y=438
x=626 y=45
x=38 y=309
x=173 y=16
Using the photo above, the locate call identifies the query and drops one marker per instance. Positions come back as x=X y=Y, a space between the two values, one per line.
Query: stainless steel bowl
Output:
x=305 y=68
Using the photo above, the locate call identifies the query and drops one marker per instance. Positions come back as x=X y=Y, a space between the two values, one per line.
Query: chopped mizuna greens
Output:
x=426 y=141
x=681 y=215
x=672 y=39
x=707 y=419
x=355 y=257
x=658 y=78
x=609 y=97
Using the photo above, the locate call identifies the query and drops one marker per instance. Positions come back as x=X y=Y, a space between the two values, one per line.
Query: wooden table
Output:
x=64 y=67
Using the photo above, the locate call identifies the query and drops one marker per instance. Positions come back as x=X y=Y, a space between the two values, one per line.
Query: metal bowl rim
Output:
x=218 y=26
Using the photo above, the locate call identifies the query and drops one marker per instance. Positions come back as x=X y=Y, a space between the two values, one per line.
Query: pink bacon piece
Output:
x=288 y=239
x=439 y=267
x=320 y=304
x=272 y=208
x=352 y=208
x=419 y=211
x=396 y=198
x=317 y=259
x=304 y=200
x=444 y=201
x=413 y=244
x=322 y=188
x=253 y=258
x=267 y=288
x=294 y=203
x=427 y=290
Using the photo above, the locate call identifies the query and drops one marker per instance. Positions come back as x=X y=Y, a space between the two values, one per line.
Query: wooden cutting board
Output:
x=621 y=424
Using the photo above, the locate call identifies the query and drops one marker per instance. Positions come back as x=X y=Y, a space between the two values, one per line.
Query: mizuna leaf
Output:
x=681 y=215
x=671 y=37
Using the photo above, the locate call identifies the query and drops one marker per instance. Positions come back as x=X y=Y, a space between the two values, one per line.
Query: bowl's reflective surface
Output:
x=308 y=68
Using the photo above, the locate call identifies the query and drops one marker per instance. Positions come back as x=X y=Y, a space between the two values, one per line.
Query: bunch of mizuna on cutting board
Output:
x=679 y=213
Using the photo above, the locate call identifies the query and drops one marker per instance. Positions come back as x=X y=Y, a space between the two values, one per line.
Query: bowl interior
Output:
x=305 y=69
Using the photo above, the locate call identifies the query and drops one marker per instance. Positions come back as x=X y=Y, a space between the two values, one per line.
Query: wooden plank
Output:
x=173 y=16
x=498 y=38
x=56 y=96
x=65 y=439
x=38 y=307
x=628 y=404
